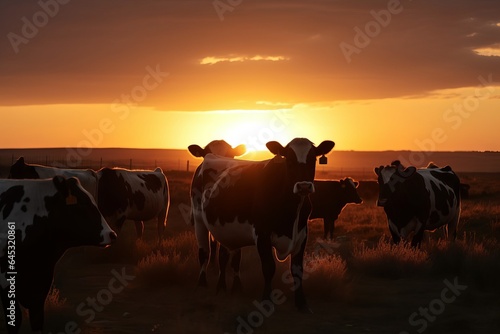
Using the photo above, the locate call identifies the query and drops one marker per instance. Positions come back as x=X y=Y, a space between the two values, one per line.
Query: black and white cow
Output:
x=21 y=170
x=223 y=149
x=138 y=195
x=419 y=199
x=262 y=203
x=39 y=221
x=330 y=198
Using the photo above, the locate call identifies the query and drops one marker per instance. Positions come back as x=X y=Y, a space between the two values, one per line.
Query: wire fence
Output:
x=184 y=165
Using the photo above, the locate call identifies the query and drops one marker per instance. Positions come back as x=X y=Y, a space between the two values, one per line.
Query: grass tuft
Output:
x=388 y=260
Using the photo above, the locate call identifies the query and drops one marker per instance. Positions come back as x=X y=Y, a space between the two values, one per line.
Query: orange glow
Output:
x=423 y=123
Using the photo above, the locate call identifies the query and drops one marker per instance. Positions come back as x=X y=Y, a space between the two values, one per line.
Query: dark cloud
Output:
x=94 y=51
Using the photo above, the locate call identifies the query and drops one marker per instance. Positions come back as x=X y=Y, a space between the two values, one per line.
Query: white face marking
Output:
x=297 y=187
x=301 y=149
x=387 y=173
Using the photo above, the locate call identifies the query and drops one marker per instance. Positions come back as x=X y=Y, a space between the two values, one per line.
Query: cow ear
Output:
x=197 y=151
x=61 y=184
x=66 y=187
x=20 y=161
x=239 y=150
x=377 y=170
x=408 y=171
x=325 y=147
x=356 y=184
x=72 y=186
x=276 y=148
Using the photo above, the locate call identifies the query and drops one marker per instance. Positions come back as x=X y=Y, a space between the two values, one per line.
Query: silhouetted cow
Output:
x=120 y=193
x=217 y=147
x=39 y=221
x=223 y=149
x=138 y=195
x=262 y=203
x=330 y=198
x=419 y=199
x=22 y=170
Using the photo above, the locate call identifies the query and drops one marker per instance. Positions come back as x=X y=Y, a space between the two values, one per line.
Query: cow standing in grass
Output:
x=416 y=200
x=330 y=198
x=261 y=203
x=39 y=221
x=138 y=195
x=223 y=149
x=120 y=193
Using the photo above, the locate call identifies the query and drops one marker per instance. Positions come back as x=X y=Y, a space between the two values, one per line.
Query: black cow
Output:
x=262 y=203
x=39 y=221
x=329 y=198
x=138 y=195
x=419 y=199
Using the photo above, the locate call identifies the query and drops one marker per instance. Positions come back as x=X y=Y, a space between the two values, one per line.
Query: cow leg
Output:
x=202 y=236
x=297 y=269
x=17 y=313
x=417 y=238
x=326 y=228
x=395 y=235
x=451 y=230
x=223 y=260
x=235 y=264
x=213 y=249
x=264 y=248
x=139 y=228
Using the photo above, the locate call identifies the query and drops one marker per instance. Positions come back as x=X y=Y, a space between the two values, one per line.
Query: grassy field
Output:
x=357 y=283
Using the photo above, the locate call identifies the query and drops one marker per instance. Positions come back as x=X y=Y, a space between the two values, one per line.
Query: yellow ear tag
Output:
x=71 y=200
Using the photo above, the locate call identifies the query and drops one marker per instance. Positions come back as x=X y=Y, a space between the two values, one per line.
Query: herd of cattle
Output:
x=235 y=203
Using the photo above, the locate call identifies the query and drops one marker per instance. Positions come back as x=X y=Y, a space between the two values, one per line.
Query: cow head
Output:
x=388 y=179
x=217 y=147
x=349 y=193
x=300 y=156
x=77 y=220
x=21 y=170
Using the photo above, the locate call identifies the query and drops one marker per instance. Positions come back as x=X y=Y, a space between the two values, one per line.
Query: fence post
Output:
x=187 y=166
x=130 y=164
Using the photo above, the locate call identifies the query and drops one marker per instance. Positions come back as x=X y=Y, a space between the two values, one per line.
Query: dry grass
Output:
x=165 y=269
x=54 y=301
x=479 y=261
x=325 y=276
x=172 y=262
x=388 y=260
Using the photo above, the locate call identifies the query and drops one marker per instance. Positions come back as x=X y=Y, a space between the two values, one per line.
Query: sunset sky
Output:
x=369 y=75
